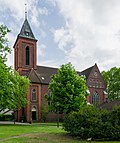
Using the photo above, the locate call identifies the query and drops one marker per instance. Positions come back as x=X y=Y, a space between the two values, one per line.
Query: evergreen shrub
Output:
x=92 y=123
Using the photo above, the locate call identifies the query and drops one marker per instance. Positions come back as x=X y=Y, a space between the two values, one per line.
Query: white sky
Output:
x=83 y=32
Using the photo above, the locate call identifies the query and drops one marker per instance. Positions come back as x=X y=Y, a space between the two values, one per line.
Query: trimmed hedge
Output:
x=93 y=123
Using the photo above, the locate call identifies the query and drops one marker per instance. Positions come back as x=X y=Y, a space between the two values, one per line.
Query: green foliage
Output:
x=13 y=87
x=6 y=117
x=83 y=123
x=93 y=123
x=68 y=90
x=4 y=49
x=115 y=116
x=112 y=79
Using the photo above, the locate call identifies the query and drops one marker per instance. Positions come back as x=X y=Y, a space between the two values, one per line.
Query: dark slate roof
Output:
x=110 y=105
x=45 y=73
x=26 y=31
x=87 y=72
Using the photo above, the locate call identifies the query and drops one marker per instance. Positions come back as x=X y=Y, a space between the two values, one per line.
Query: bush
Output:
x=6 y=117
x=115 y=116
x=83 y=123
x=93 y=123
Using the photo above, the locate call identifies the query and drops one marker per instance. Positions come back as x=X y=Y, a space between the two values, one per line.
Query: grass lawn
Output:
x=36 y=133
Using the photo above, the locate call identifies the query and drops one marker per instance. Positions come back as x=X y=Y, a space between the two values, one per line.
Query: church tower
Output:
x=25 y=50
x=25 y=64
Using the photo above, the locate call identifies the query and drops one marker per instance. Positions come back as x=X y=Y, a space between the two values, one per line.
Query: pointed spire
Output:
x=26 y=31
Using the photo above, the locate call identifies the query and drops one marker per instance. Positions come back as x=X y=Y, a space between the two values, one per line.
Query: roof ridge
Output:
x=87 y=69
x=47 y=67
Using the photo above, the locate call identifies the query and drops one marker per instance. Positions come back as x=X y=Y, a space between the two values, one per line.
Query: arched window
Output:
x=34 y=96
x=27 y=55
x=95 y=98
x=34 y=108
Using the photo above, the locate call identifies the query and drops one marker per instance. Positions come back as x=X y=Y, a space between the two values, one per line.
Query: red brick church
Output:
x=25 y=58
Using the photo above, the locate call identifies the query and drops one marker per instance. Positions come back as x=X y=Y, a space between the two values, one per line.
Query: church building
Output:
x=25 y=63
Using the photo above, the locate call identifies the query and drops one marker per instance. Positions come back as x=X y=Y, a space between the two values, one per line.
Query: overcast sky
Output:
x=83 y=32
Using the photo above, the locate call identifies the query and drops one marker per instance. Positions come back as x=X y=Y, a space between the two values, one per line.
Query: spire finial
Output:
x=25 y=11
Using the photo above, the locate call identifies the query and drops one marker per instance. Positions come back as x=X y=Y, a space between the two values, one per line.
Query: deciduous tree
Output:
x=112 y=79
x=68 y=90
x=13 y=87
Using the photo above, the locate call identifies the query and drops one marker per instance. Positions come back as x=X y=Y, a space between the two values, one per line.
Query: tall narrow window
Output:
x=95 y=98
x=27 y=56
x=34 y=96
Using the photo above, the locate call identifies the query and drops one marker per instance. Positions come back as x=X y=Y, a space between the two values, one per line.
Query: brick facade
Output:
x=96 y=84
x=19 y=54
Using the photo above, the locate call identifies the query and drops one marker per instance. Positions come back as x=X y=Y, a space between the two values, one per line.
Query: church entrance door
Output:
x=34 y=114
